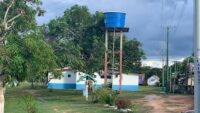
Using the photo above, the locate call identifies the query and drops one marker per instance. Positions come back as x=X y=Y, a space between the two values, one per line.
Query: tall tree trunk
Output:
x=32 y=83
x=2 y=100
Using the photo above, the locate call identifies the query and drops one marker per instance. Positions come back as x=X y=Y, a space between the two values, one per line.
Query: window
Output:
x=69 y=75
x=108 y=77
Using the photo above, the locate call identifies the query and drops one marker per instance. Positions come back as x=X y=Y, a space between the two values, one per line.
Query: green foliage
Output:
x=50 y=90
x=82 y=32
x=13 y=60
x=182 y=66
x=56 y=73
x=69 y=54
x=105 y=95
x=93 y=54
x=40 y=57
x=132 y=56
x=123 y=104
x=27 y=58
x=149 y=71
x=30 y=104
x=77 y=39
x=28 y=9
x=17 y=24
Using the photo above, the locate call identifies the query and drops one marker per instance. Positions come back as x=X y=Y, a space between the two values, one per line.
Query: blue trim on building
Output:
x=80 y=86
x=126 y=87
x=98 y=86
x=61 y=86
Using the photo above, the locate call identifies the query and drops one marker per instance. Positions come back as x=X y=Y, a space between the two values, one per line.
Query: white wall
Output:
x=98 y=78
x=127 y=79
x=78 y=76
x=64 y=78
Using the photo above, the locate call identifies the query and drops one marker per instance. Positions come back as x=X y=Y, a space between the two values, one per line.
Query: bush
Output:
x=105 y=95
x=50 y=89
x=123 y=104
x=95 y=97
x=30 y=104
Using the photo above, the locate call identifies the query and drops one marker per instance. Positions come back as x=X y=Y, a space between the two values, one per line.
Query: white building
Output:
x=130 y=82
x=67 y=81
x=70 y=80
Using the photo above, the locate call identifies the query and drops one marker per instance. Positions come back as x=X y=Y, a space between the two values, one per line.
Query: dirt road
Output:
x=167 y=104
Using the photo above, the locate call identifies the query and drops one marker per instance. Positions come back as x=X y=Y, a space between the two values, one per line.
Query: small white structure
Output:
x=70 y=78
x=130 y=82
x=67 y=81
x=153 y=80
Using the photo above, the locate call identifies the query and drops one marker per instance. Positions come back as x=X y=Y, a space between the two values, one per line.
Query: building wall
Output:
x=81 y=84
x=68 y=81
x=130 y=82
x=100 y=81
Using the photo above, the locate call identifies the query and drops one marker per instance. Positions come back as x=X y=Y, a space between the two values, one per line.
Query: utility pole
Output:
x=197 y=57
x=170 y=79
x=167 y=59
x=166 y=88
x=163 y=73
x=175 y=70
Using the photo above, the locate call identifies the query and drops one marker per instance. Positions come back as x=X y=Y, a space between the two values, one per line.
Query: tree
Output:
x=79 y=39
x=132 y=56
x=13 y=60
x=83 y=33
x=149 y=71
x=93 y=54
x=69 y=54
x=27 y=58
x=182 y=66
x=40 y=57
x=16 y=16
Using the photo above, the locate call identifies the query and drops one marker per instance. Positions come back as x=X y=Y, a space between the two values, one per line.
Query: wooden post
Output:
x=106 y=58
x=121 y=52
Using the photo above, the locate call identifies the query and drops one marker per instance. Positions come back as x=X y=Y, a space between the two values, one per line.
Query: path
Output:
x=167 y=104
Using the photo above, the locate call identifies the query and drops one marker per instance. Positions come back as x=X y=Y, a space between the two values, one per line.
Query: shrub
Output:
x=30 y=104
x=50 y=89
x=123 y=104
x=105 y=95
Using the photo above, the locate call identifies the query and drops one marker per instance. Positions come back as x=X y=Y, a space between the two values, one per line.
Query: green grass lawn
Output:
x=67 y=101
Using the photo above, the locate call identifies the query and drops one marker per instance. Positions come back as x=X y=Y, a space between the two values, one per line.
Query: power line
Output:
x=162 y=11
x=174 y=14
x=180 y=16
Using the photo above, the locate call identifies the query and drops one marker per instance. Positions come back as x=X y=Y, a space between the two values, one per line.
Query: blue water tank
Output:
x=114 y=19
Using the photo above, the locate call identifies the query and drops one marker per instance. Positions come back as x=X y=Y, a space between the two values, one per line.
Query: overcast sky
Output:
x=147 y=20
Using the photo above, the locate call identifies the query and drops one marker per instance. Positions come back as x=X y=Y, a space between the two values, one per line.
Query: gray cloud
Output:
x=144 y=17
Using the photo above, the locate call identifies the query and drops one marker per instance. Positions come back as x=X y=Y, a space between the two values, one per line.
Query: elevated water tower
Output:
x=114 y=23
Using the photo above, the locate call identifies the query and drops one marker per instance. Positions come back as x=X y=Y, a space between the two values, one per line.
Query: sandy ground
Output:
x=167 y=104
